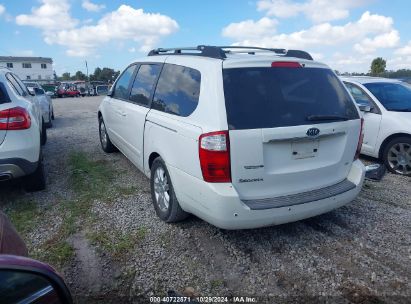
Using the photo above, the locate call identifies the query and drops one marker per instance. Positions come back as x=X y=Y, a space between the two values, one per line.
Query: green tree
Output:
x=80 y=76
x=105 y=74
x=378 y=66
x=65 y=76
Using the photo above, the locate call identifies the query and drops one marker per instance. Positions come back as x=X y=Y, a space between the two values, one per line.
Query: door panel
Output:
x=114 y=118
x=132 y=115
x=372 y=120
x=372 y=124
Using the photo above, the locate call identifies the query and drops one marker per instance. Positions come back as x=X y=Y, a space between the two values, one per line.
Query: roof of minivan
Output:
x=368 y=79
x=237 y=59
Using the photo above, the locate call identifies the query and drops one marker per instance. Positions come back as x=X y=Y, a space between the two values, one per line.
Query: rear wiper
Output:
x=326 y=117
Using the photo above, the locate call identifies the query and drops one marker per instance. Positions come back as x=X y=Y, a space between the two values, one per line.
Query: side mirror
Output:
x=364 y=107
x=110 y=92
x=31 y=92
x=24 y=280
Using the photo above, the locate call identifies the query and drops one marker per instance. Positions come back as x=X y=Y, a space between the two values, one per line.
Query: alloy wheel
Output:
x=103 y=134
x=161 y=189
x=399 y=158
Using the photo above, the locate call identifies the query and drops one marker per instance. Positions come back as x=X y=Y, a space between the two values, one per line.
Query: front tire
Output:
x=105 y=141
x=37 y=180
x=397 y=156
x=163 y=196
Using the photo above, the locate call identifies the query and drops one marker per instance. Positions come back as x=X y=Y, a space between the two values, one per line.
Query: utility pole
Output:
x=87 y=70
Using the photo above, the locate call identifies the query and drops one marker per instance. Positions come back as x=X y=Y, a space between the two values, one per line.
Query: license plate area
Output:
x=305 y=148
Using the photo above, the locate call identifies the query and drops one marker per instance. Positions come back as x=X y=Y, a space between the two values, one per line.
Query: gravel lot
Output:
x=360 y=253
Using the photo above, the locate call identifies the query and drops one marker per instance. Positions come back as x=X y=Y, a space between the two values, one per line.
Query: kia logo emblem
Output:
x=313 y=132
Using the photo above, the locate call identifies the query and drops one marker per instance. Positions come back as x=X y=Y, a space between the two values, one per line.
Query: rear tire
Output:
x=397 y=156
x=43 y=137
x=50 y=123
x=37 y=180
x=163 y=196
x=105 y=141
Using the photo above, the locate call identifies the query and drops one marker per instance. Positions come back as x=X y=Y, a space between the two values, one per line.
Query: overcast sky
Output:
x=345 y=34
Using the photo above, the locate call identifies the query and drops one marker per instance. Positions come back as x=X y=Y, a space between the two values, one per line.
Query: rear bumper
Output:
x=11 y=168
x=220 y=205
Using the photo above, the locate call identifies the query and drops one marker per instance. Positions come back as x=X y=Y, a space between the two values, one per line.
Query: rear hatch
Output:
x=293 y=128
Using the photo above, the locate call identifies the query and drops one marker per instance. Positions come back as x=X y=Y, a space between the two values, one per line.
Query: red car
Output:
x=68 y=90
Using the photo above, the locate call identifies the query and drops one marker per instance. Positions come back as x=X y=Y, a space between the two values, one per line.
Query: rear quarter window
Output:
x=178 y=90
x=279 y=97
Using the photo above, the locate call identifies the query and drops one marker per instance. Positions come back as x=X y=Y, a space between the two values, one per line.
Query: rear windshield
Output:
x=278 y=97
x=3 y=97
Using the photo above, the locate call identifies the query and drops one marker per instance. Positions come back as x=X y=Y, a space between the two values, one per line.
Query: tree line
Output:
x=105 y=74
x=378 y=68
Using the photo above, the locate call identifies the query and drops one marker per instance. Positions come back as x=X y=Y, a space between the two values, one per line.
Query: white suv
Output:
x=22 y=132
x=387 y=120
x=240 y=137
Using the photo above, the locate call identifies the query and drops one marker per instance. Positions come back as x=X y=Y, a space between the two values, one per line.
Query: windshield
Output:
x=278 y=97
x=393 y=96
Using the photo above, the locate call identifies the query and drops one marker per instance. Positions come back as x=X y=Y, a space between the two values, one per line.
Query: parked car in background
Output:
x=45 y=101
x=81 y=87
x=102 y=89
x=386 y=104
x=240 y=137
x=68 y=90
x=51 y=89
x=22 y=133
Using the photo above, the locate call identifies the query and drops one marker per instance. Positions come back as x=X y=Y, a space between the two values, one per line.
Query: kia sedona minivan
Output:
x=242 y=137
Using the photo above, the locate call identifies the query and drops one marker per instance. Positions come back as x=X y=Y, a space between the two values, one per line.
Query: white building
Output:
x=33 y=68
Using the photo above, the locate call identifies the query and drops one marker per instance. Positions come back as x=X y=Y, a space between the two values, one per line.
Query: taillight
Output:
x=285 y=64
x=214 y=152
x=360 y=139
x=15 y=119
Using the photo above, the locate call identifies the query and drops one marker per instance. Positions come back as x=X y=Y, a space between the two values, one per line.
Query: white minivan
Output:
x=242 y=137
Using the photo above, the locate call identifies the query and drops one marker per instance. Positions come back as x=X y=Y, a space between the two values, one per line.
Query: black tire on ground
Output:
x=50 y=123
x=105 y=141
x=52 y=114
x=172 y=213
x=43 y=136
x=37 y=180
x=397 y=155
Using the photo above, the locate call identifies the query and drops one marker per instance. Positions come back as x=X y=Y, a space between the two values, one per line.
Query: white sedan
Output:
x=44 y=100
x=386 y=104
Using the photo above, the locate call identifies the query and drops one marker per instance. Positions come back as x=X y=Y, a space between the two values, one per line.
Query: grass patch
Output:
x=115 y=243
x=56 y=252
x=89 y=178
x=216 y=283
x=24 y=215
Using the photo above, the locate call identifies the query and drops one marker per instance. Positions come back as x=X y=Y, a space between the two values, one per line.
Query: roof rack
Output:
x=219 y=52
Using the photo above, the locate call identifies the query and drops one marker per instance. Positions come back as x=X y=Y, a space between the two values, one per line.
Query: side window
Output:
x=122 y=84
x=13 y=83
x=21 y=84
x=144 y=83
x=178 y=90
x=359 y=95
